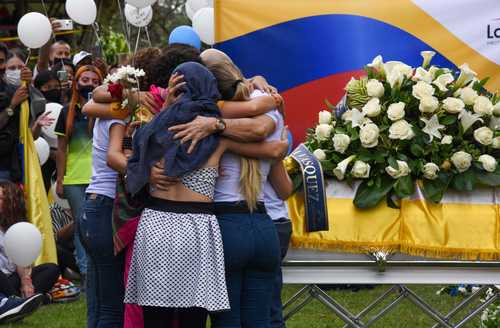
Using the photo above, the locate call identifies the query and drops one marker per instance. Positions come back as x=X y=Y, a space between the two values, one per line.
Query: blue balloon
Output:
x=290 y=142
x=185 y=35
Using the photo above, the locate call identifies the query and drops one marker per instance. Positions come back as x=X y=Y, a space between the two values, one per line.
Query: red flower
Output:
x=116 y=90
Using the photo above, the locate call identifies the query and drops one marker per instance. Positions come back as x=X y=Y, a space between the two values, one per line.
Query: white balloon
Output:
x=196 y=5
x=23 y=242
x=203 y=24
x=189 y=12
x=42 y=149
x=139 y=17
x=34 y=30
x=48 y=132
x=140 y=3
x=83 y=12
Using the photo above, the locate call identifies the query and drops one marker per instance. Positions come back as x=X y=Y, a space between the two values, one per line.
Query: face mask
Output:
x=84 y=90
x=53 y=95
x=13 y=77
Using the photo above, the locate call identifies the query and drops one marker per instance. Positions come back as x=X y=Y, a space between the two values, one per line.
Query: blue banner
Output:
x=314 y=189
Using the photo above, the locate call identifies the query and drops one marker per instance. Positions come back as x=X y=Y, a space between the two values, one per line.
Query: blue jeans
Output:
x=105 y=289
x=284 y=229
x=252 y=260
x=75 y=194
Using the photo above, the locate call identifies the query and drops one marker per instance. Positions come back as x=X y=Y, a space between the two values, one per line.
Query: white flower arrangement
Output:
x=128 y=78
x=400 y=124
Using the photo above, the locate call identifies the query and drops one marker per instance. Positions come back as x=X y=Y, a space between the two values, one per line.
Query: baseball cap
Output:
x=77 y=58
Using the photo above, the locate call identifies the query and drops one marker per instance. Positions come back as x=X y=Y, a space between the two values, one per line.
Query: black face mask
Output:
x=53 y=95
x=85 y=90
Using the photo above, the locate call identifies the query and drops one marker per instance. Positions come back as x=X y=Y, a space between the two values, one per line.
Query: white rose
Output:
x=466 y=75
x=428 y=104
x=368 y=135
x=422 y=89
x=427 y=56
x=360 y=170
x=347 y=116
x=468 y=95
x=496 y=143
x=442 y=81
x=496 y=109
x=484 y=136
x=372 y=108
x=453 y=105
x=461 y=160
x=341 y=168
x=489 y=162
x=402 y=170
x=483 y=106
x=446 y=140
x=341 y=142
x=430 y=171
x=319 y=154
x=323 y=131
x=324 y=117
x=374 y=88
x=396 y=111
x=401 y=130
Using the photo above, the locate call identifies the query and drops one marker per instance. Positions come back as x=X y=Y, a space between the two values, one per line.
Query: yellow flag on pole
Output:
x=37 y=205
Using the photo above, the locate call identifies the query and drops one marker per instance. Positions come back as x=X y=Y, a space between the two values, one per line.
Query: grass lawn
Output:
x=314 y=315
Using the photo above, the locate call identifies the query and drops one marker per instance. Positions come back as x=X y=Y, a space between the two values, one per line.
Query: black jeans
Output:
x=43 y=277
x=284 y=229
x=66 y=256
x=162 y=317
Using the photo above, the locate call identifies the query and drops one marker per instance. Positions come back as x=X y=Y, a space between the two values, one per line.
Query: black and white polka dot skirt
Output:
x=178 y=261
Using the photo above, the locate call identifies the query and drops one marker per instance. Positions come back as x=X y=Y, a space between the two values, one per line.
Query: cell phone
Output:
x=62 y=76
x=65 y=24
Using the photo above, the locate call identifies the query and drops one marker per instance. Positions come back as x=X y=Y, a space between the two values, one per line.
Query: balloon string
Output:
x=124 y=25
x=147 y=35
x=28 y=57
x=136 y=45
x=95 y=28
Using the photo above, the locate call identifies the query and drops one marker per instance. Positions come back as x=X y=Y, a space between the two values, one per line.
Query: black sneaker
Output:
x=15 y=308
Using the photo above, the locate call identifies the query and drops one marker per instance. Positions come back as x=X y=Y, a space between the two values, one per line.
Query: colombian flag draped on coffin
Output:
x=310 y=49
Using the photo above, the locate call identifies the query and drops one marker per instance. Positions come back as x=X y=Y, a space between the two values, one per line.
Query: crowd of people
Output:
x=188 y=208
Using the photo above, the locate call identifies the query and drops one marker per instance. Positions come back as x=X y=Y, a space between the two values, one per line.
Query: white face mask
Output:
x=13 y=76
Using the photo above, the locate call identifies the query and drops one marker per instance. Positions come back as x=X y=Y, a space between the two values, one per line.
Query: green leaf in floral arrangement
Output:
x=434 y=190
x=368 y=196
x=464 y=181
x=479 y=85
x=393 y=163
x=416 y=149
x=491 y=179
x=449 y=120
x=391 y=201
x=404 y=187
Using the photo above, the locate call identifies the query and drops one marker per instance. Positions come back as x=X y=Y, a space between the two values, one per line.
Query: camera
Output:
x=62 y=76
x=65 y=24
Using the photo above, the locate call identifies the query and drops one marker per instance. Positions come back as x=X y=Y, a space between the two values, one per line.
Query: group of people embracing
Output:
x=190 y=206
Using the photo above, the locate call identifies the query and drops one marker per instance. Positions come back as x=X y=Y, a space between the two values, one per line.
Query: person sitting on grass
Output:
x=15 y=280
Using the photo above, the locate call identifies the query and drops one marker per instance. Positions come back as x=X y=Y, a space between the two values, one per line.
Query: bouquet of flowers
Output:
x=399 y=126
x=124 y=85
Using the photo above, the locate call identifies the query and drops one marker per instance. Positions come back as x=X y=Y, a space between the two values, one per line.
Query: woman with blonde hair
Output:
x=251 y=245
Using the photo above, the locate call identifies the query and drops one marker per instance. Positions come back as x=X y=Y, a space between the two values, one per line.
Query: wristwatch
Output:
x=220 y=125
x=9 y=111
